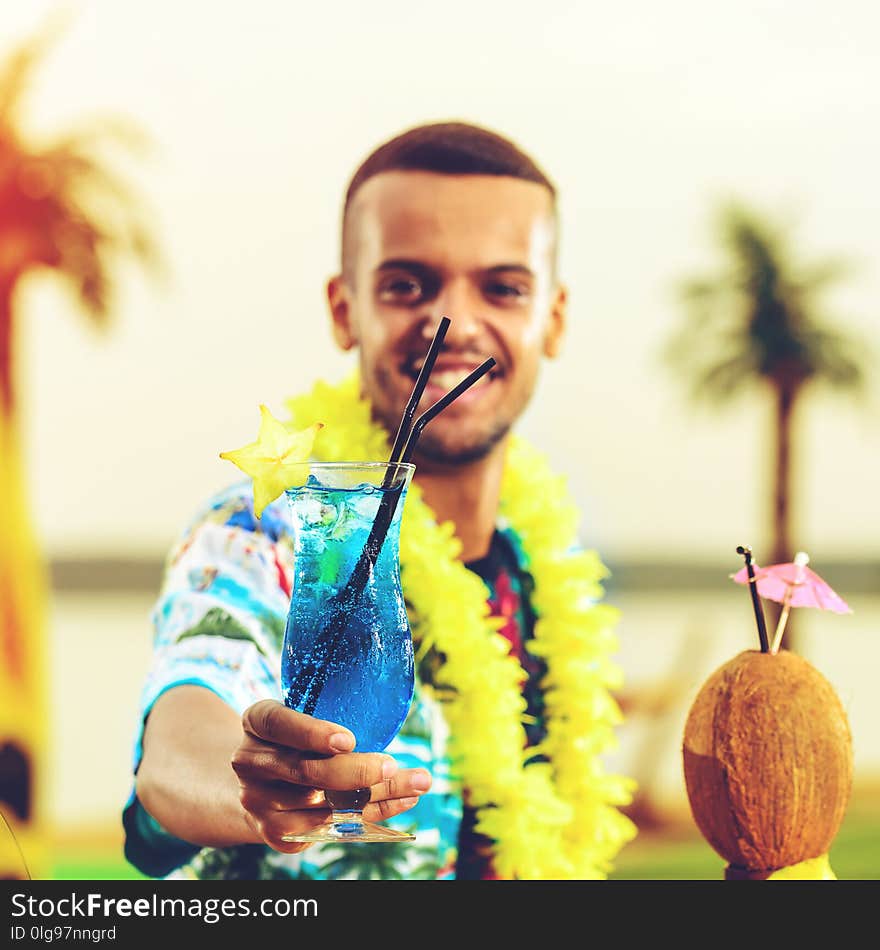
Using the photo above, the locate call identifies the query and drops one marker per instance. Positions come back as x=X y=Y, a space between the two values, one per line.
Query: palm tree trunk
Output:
x=7 y=384
x=23 y=686
x=786 y=396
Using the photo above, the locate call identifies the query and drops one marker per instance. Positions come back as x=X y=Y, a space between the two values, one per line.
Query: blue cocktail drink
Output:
x=348 y=654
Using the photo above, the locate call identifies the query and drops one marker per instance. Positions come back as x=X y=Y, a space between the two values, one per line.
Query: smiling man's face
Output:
x=478 y=249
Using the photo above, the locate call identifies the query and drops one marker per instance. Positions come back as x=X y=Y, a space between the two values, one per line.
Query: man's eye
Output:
x=509 y=291
x=400 y=289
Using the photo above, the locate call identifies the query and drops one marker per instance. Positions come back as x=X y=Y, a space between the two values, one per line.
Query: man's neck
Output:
x=468 y=496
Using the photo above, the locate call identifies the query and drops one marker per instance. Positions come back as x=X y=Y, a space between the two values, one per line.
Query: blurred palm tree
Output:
x=759 y=322
x=63 y=212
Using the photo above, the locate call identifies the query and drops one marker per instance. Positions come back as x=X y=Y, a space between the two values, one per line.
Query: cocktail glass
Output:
x=347 y=655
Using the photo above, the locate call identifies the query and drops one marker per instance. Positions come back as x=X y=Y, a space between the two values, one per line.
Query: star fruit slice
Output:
x=276 y=460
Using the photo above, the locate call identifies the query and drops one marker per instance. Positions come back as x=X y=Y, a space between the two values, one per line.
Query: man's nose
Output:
x=463 y=312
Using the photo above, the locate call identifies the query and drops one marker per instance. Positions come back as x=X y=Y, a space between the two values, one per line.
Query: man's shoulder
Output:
x=233 y=507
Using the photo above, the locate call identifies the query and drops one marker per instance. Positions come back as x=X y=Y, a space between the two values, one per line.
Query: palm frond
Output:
x=110 y=199
x=16 y=71
x=818 y=276
x=717 y=383
x=843 y=363
x=82 y=247
x=711 y=330
x=701 y=291
x=105 y=131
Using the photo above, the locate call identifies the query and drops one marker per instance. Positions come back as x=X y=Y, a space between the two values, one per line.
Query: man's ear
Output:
x=338 y=299
x=556 y=325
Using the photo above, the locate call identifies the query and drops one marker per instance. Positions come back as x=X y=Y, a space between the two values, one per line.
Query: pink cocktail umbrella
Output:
x=793 y=584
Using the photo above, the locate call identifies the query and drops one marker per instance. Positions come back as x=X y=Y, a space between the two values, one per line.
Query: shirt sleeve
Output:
x=218 y=623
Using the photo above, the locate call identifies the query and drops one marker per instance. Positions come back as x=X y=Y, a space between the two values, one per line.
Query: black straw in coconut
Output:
x=756 y=600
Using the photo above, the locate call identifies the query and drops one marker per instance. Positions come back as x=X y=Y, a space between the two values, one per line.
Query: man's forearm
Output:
x=185 y=780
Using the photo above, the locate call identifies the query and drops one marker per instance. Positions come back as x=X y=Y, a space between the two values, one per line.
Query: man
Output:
x=443 y=220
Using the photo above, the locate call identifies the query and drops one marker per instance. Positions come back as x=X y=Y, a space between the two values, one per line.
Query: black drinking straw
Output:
x=388 y=505
x=311 y=677
x=440 y=405
x=756 y=600
x=418 y=389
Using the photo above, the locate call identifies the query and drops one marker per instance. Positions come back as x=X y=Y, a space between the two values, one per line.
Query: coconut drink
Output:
x=768 y=760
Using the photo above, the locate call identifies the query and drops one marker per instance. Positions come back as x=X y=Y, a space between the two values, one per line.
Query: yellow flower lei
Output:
x=548 y=820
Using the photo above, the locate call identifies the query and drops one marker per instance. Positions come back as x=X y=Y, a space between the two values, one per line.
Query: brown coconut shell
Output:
x=768 y=761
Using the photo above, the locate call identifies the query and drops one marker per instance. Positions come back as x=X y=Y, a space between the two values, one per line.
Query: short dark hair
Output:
x=448 y=148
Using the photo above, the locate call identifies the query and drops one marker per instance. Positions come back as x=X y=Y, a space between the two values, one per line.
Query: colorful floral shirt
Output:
x=219 y=623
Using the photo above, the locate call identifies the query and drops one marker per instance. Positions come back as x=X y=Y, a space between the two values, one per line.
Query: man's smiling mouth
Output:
x=448 y=374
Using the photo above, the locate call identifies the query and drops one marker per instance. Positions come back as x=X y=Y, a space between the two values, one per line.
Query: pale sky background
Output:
x=644 y=114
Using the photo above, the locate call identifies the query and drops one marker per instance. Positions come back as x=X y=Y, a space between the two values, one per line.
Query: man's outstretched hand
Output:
x=287 y=759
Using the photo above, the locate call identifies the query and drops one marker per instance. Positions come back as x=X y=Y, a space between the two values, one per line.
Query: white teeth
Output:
x=446 y=380
x=449 y=378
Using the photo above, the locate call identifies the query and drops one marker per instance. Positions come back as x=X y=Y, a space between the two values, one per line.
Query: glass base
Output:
x=343 y=827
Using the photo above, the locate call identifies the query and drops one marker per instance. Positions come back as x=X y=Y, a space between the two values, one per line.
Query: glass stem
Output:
x=348 y=800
